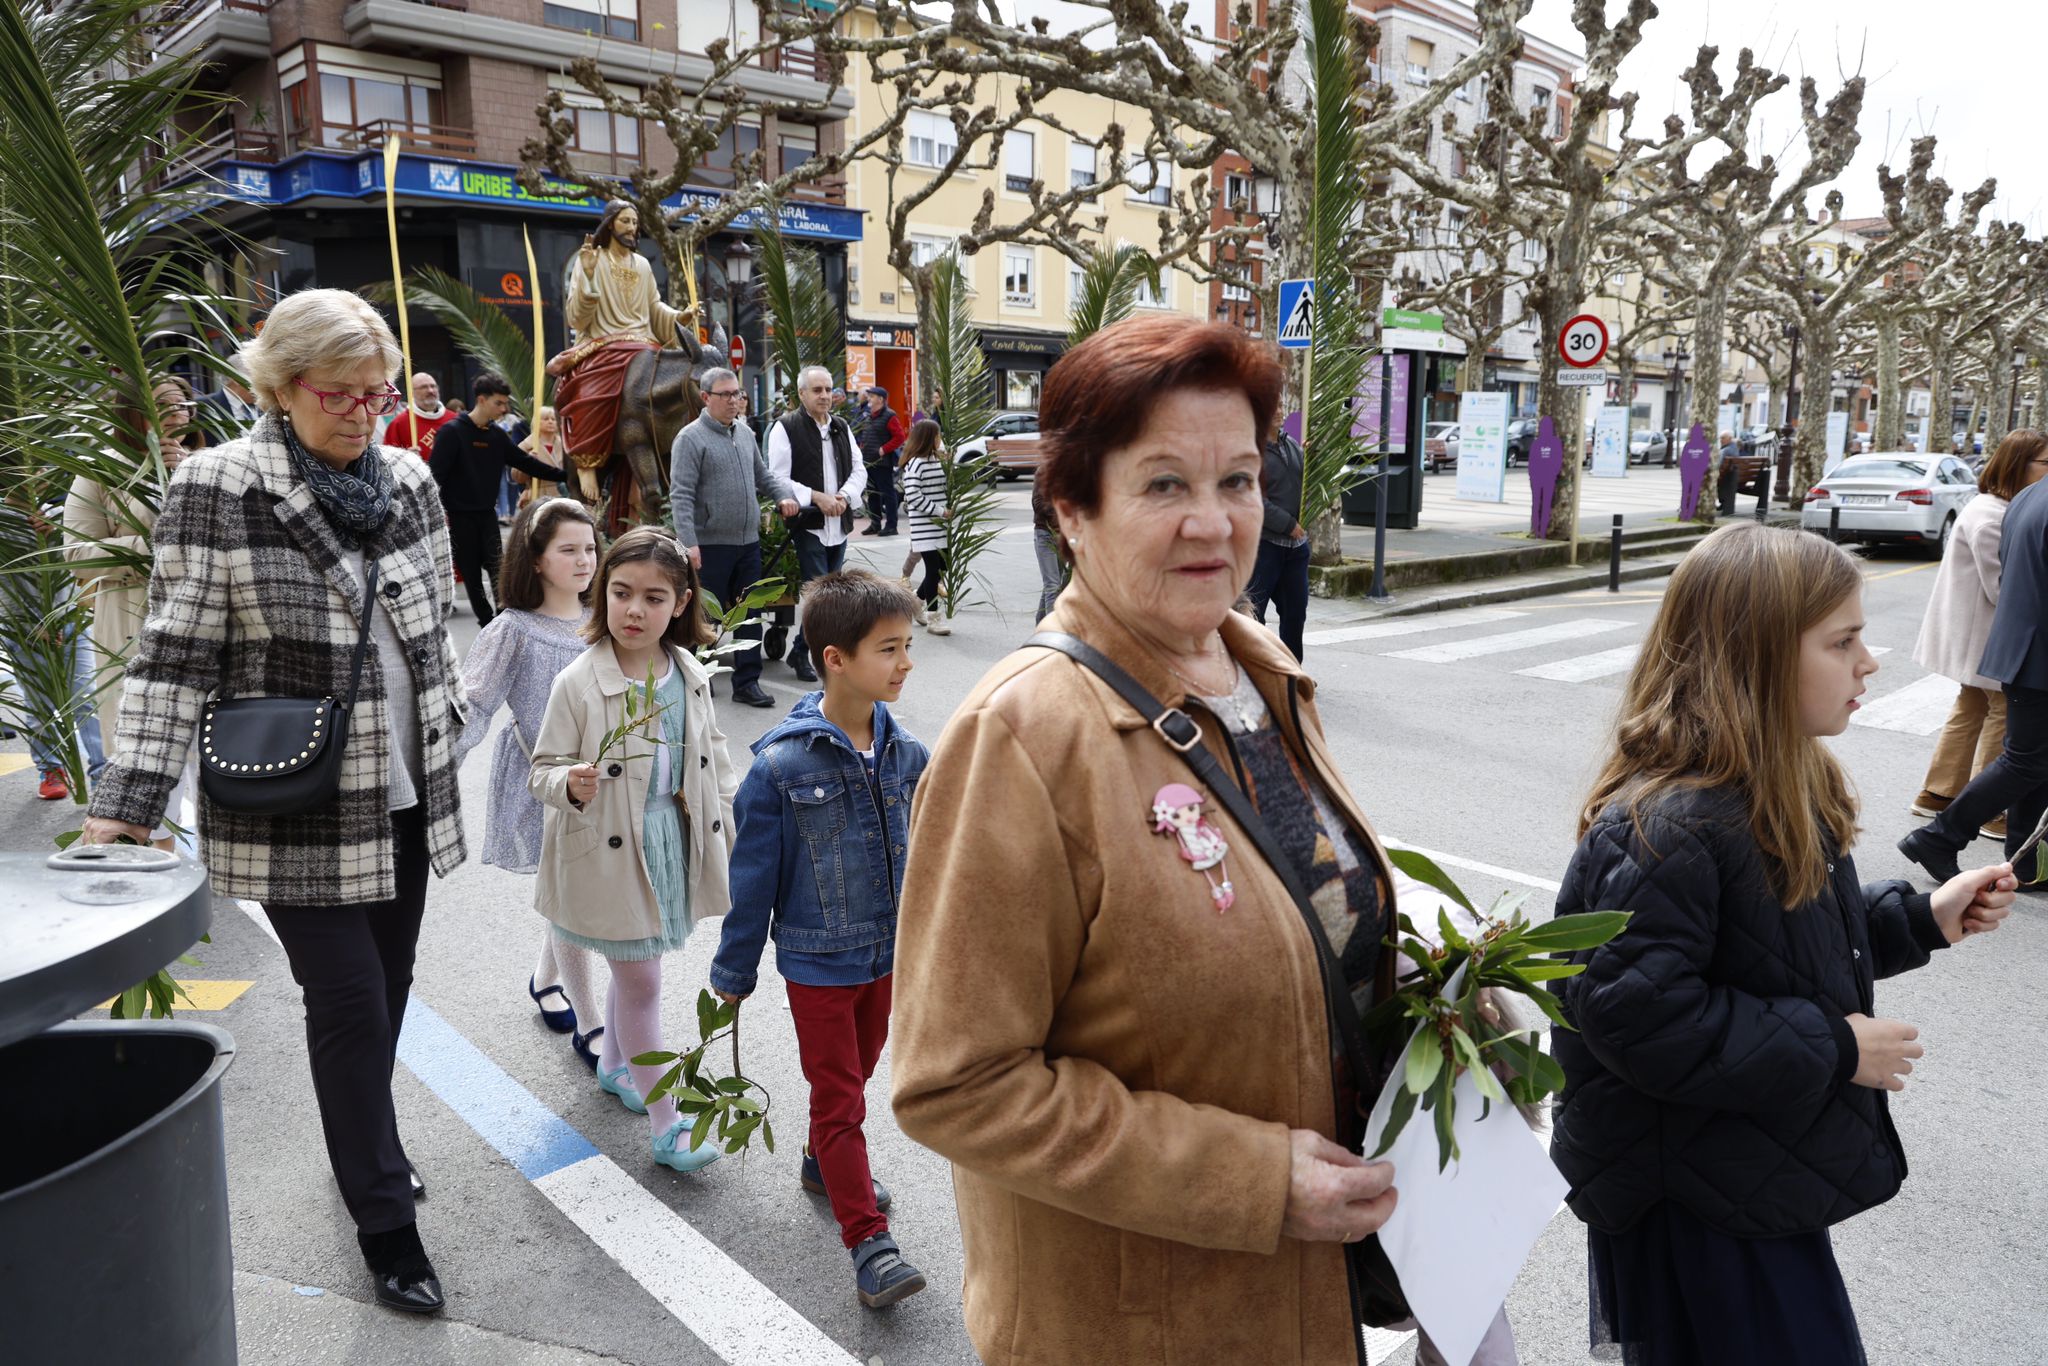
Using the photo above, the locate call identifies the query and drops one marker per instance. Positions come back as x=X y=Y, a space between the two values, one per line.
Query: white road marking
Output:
x=1919 y=708
x=1514 y=640
x=1407 y=626
x=1584 y=668
x=1475 y=866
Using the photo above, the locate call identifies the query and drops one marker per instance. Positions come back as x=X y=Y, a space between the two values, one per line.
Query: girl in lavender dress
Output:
x=549 y=559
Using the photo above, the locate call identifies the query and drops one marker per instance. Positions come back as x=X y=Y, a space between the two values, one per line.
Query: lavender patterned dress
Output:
x=515 y=660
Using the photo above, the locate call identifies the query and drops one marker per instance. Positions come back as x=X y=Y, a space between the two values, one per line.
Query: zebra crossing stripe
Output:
x=1919 y=708
x=1585 y=668
x=1407 y=626
x=1456 y=650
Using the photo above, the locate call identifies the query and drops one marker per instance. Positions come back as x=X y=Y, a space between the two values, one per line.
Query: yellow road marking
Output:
x=205 y=995
x=1894 y=573
x=14 y=763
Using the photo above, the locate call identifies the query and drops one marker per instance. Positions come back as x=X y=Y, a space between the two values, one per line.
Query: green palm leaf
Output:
x=807 y=326
x=954 y=365
x=481 y=330
x=1338 y=355
x=1109 y=289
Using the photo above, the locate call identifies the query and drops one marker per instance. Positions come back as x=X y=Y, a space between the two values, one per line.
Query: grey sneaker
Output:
x=880 y=1275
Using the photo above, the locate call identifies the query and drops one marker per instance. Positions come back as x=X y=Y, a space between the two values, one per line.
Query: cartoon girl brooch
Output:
x=1177 y=810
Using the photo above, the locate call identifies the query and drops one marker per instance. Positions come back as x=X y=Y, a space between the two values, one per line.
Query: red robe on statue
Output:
x=587 y=398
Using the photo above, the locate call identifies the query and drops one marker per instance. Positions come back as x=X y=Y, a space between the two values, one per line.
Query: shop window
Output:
x=605 y=18
x=1020 y=389
x=932 y=139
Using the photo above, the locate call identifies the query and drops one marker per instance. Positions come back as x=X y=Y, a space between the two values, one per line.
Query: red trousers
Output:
x=839 y=1036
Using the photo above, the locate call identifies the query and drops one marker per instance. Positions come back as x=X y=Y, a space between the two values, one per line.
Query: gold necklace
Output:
x=1197 y=688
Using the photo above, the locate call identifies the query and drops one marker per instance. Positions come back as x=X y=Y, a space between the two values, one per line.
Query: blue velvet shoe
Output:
x=813 y=1180
x=582 y=1044
x=620 y=1084
x=562 y=1021
x=671 y=1151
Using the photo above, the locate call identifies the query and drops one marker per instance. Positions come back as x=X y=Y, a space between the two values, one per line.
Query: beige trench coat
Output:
x=97 y=524
x=593 y=870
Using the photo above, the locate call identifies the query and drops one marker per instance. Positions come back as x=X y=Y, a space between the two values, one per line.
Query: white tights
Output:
x=632 y=1025
x=572 y=968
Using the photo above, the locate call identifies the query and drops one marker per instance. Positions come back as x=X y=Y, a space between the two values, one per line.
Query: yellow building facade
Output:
x=1021 y=293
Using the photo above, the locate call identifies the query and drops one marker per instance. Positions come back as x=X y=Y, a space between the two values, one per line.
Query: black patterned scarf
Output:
x=356 y=499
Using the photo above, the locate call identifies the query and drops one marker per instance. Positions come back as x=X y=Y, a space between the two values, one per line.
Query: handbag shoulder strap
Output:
x=355 y=678
x=1184 y=737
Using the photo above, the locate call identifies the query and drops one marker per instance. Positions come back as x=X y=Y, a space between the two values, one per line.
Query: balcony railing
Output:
x=232 y=144
x=175 y=14
x=796 y=61
x=443 y=138
x=824 y=190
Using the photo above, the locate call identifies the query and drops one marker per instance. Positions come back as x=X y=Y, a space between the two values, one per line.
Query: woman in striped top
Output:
x=924 y=496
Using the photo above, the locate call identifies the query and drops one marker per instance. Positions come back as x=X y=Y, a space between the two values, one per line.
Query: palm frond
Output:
x=482 y=331
x=1109 y=289
x=1338 y=354
x=953 y=364
x=806 y=326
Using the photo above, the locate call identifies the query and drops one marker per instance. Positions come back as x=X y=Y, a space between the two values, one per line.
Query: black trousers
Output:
x=1280 y=577
x=477 y=541
x=354 y=966
x=934 y=572
x=814 y=560
x=728 y=573
x=884 y=498
x=2014 y=784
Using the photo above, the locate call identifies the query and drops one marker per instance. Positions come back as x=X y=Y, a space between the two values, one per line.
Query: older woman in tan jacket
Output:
x=1135 y=1055
x=1958 y=623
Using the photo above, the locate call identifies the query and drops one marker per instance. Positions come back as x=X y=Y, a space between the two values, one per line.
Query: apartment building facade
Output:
x=315 y=87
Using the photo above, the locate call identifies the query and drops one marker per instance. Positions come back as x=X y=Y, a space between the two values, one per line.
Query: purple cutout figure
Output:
x=1546 y=460
x=1693 y=463
x=1292 y=424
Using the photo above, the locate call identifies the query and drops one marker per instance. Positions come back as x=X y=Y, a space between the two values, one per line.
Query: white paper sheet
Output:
x=1458 y=1237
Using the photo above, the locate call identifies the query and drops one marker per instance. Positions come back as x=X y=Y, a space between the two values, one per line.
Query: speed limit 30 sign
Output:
x=1583 y=343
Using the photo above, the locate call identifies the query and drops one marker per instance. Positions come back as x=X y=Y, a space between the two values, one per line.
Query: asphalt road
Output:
x=1473 y=734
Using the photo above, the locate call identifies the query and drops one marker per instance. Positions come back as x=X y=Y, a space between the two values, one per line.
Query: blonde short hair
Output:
x=316 y=329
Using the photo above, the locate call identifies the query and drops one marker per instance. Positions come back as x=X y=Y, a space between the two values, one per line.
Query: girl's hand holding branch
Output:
x=1974 y=902
x=583 y=784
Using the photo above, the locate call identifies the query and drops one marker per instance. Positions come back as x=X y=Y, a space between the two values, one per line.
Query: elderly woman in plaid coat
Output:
x=258 y=588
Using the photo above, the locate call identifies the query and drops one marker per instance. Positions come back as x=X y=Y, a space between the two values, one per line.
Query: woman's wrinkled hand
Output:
x=1333 y=1194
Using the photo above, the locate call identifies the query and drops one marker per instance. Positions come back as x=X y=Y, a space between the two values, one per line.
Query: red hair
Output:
x=1100 y=395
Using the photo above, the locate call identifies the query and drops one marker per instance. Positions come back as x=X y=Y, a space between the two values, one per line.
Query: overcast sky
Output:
x=1965 y=70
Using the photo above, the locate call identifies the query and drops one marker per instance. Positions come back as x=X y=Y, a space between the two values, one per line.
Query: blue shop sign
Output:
x=324 y=174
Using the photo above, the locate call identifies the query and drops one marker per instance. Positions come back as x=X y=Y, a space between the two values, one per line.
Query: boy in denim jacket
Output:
x=823 y=821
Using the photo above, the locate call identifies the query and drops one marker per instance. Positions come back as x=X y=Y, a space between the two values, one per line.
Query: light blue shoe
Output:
x=618 y=1082
x=671 y=1151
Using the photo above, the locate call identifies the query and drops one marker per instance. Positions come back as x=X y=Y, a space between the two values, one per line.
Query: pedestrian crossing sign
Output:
x=1297 y=314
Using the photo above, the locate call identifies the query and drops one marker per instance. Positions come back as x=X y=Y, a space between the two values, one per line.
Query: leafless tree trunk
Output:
x=1891 y=393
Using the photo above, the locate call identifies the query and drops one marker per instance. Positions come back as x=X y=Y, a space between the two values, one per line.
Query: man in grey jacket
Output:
x=716 y=475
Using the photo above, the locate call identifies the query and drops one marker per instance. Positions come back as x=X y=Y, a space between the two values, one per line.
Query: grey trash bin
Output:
x=113 y=1175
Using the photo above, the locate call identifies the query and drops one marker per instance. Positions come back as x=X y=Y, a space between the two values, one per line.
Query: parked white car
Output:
x=1900 y=497
x=1440 y=446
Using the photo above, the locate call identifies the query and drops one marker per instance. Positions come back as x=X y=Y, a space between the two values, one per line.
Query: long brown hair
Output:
x=921 y=444
x=2005 y=473
x=1713 y=700
x=657 y=546
x=533 y=530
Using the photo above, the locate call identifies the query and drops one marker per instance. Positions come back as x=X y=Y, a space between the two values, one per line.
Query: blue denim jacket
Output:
x=817 y=860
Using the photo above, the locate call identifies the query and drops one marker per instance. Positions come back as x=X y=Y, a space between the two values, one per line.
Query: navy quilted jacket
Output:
x=1712 y=1060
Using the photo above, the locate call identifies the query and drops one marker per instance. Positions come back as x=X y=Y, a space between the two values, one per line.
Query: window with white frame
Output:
x=1468 y=89
x=605 y=18
x=597 y=132
x=1148 y=297
x=1080 y=163
x=1237 y=189
x=1421 y=56
x=1151 y=181
x=1532 y=251
x=1543 y=103
x=1020 y=160
x=1076 y=282
x=1020 y=274
x=932 y=139
x=1236 y=293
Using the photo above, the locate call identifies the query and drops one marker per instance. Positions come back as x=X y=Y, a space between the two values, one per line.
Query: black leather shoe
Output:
x=752 y=696
x=419 y=1187
x=1926 y=850
x=802 y=664
x=401 y=1277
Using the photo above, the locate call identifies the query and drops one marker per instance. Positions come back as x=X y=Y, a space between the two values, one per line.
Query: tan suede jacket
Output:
x=1111 y=1066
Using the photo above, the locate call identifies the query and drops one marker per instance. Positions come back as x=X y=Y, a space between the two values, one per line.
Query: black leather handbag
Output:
x=1376 y=1295
x=280 y=756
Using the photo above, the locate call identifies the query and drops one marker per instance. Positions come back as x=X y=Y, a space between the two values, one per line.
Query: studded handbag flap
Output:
x=281 y=756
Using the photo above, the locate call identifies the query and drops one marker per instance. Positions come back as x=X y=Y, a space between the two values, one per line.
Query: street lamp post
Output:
x=1674 y=361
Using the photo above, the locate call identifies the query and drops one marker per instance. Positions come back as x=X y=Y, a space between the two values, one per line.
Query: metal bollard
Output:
x=1614 y=557
x=1763 y=492
x=1835 y=524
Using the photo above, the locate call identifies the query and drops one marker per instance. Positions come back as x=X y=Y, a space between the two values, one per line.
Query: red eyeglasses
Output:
x=341 y=404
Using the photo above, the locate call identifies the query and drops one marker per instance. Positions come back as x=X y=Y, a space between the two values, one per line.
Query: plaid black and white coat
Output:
x=250 y=595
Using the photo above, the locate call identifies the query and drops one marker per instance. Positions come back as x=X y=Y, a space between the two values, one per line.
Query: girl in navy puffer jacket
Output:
x=1725 y=1088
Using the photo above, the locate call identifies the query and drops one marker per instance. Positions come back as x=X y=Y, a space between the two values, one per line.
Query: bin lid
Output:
x=79 y=927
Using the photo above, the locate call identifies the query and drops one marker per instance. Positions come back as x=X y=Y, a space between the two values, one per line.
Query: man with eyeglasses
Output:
x=469 y=460
x=716 y=475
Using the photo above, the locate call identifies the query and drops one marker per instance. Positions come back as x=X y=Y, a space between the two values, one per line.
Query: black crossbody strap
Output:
x=355 y=679
x=1184 y=737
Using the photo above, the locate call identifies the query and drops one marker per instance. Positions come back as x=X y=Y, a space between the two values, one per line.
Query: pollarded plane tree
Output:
x=1469 y=269
x=2008 y=280
x=1561 y=192
x=1727 y=213
x=1652 y=311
